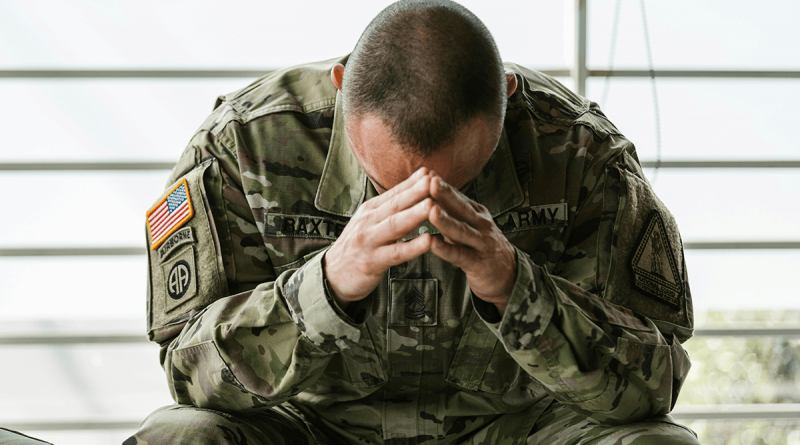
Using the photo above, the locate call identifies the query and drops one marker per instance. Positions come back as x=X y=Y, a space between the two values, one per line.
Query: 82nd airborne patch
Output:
x=655 y=271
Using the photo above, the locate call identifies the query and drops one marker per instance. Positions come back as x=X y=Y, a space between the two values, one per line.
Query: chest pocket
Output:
x=480 y=362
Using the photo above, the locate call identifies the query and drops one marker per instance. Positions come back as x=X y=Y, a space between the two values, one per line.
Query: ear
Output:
x=337 y=74
x=511 y=81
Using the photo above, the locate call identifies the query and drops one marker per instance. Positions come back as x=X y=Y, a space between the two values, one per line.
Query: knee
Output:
x=650 y=433
x=180 y=424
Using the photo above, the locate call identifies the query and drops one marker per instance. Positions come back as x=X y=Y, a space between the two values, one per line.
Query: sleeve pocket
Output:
x=200 y=377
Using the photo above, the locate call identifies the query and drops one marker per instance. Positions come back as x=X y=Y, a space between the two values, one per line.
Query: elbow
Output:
x=623 y=401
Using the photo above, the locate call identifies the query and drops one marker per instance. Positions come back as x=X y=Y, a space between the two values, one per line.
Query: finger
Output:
x=399 y=224
x=403 y=186
x=403 y=200
x=397 y=253
x=454 y=231
x=453 y=201
x=459 y=256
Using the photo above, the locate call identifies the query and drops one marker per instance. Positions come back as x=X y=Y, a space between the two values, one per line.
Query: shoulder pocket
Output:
x=192 y=369
x=185 y=266
x=643 y=267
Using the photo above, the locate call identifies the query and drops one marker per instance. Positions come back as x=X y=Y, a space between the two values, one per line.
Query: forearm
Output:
x=258 y=348
x=591 y=354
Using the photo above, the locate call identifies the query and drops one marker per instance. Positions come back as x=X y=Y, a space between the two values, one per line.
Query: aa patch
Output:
x=169 y=214
x=181 y=279
x=655 y=270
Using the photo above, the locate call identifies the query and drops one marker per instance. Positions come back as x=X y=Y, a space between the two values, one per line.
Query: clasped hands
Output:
x=368 y=247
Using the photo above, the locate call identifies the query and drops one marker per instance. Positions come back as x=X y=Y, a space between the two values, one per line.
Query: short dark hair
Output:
x=425 y=67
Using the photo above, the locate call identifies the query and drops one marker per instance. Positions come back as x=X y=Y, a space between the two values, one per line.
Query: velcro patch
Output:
x=181 y=279
x=414 y=302
x=179 y=238
x=169 y=214
x=533 y=217
x=654 y=267
x=301 y=226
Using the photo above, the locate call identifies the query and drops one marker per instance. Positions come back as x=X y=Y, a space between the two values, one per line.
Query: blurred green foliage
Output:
x=742 y=370
x=749 y=432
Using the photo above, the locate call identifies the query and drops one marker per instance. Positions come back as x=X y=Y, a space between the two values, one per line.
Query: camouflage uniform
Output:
x=590 y=342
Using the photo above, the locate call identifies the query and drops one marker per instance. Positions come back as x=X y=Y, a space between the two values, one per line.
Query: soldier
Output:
x=415 y=244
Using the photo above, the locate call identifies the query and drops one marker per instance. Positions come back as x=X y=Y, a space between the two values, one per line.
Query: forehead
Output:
x=388 y=163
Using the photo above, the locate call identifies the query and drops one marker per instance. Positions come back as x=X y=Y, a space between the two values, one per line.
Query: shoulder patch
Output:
x=181 y=279
x=179 y=238
x=654 y=267
x=169 y=214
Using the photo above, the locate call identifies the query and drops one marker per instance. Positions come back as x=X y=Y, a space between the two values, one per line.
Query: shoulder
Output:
x=303 y=89
x=551 y=102
x=563 y=130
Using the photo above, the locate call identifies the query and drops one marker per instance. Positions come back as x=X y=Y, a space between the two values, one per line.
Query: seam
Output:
x=310 y=108
x=553 y=370
x=225 y=205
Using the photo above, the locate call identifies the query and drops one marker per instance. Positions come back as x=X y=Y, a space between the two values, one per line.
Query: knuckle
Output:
x=485 y=222
x=391 y=223
x=393 y=205
x=396 y=256
x=359 y=237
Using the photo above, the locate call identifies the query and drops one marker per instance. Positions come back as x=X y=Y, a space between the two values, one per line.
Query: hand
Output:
x=473 y=243
x=368 y=246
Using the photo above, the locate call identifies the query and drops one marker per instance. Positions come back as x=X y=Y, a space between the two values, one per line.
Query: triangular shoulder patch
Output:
x=655 y=270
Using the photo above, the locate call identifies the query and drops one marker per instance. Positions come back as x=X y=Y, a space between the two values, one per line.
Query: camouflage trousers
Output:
x=285 y=425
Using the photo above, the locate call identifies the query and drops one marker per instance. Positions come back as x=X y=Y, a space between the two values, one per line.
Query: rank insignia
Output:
x=415 y=305
x=169 y=214
x=655 y=270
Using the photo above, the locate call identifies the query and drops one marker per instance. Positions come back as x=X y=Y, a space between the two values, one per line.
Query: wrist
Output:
x=330 y=289
x=331 y=295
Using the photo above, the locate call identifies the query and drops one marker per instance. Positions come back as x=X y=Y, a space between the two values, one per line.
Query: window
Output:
x=100 y=98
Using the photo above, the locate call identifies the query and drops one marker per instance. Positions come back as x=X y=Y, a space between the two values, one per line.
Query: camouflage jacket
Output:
x=237 y=300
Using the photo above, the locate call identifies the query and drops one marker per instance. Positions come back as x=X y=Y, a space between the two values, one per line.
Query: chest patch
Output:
x=654 y=267
x=534 y=217
x=414 y=302
x=301 y=226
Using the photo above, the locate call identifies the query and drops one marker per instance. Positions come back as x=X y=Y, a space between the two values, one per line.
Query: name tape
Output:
x=533 y=217
x=302 y=226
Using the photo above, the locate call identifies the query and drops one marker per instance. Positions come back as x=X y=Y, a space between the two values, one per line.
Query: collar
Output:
x=344 y=183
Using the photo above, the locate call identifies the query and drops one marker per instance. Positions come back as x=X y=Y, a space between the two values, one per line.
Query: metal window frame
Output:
x=70 y=339
x=766 y=411
x=579 y=74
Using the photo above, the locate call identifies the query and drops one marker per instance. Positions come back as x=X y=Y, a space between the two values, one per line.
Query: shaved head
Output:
x=425 y=68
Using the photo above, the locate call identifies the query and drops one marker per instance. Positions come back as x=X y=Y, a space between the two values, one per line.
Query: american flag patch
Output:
x=169 y=214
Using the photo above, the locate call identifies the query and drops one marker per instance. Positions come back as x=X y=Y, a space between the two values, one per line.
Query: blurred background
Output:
x=99 y=98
